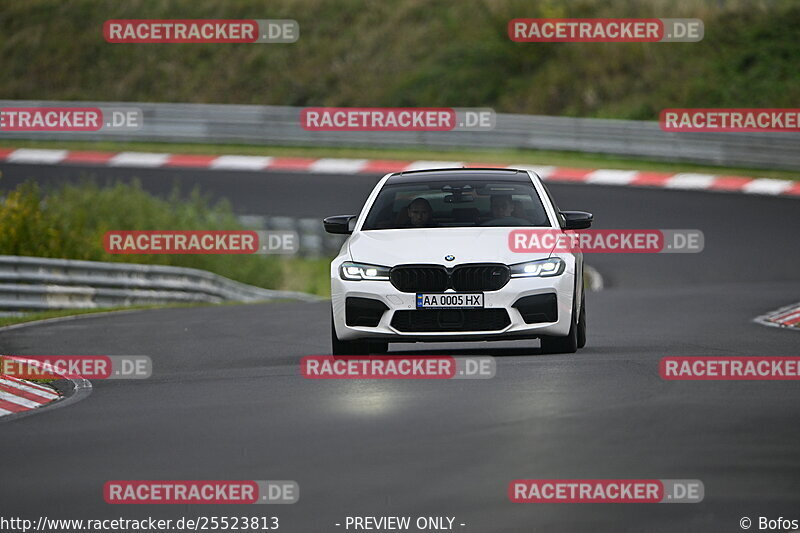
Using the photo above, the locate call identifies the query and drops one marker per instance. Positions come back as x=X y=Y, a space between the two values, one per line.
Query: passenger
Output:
x=503 y=212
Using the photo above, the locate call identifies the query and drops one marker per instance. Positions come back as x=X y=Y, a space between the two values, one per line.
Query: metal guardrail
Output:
x=280 y=125
x=314 y=241
x=35 y=283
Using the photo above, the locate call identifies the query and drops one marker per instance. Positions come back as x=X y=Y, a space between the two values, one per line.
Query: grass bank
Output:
x=409 y=53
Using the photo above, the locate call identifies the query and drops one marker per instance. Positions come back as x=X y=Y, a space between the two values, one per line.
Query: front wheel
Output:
x=570 y=343
x=358 y=347
x=582 y=322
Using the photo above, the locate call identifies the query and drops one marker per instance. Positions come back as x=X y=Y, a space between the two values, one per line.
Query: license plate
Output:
x=449 y=300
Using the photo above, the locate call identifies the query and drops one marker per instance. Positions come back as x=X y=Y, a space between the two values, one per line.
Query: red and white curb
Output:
x=20 y=398
x=629 y=178
x=785 y=317
x=17 y=395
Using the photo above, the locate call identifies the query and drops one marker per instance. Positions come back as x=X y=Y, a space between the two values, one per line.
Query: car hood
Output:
x=426 y=245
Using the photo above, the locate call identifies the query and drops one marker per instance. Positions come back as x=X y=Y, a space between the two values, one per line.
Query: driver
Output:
x=420 y=214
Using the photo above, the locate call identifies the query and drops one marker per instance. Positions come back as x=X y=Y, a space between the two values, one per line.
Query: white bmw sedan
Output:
x=428 y=260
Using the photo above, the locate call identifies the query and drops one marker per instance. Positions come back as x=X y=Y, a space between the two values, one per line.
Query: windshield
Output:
x=456 y=204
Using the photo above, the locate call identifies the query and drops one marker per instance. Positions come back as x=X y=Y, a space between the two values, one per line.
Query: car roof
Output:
x=462 y=174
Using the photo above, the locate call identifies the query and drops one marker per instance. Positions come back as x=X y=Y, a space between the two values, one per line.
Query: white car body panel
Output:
x=482 y=244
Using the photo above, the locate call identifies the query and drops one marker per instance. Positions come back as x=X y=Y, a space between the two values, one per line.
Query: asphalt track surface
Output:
x=227 y=401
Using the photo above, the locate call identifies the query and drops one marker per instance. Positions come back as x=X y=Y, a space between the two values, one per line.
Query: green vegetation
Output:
x=70 y=221
x=409 y=53
x=493 y=157
x=307 y=275
x=60 y=313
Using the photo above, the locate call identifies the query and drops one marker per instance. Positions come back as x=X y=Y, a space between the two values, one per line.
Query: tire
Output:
x=378 y=347
x=568 y=344
x=358 y=347
x=582 y=322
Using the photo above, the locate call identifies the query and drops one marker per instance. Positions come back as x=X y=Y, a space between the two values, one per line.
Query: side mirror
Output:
x=340 y=224
x=577 y=219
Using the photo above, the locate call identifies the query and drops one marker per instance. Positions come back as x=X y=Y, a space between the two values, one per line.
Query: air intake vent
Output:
x=432 y=320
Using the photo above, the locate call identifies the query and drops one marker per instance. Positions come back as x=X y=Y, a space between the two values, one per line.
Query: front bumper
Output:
x=387 y=328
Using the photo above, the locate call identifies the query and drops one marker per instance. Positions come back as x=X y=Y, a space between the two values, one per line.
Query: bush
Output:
x=69 y=222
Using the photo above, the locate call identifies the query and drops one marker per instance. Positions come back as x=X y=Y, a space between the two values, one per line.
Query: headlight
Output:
x=544 y=268
x=359 y=271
